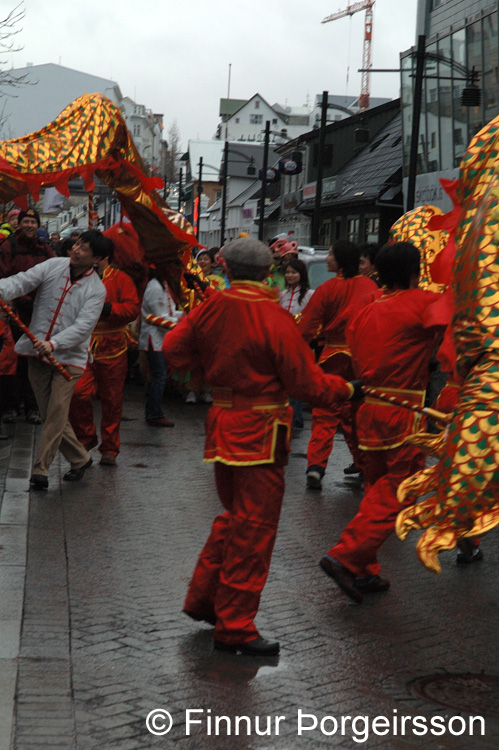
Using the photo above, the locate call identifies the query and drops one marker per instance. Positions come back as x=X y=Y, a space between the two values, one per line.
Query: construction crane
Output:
x=368 y=6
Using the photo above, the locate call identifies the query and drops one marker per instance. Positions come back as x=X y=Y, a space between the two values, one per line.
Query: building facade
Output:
x=460 y=36
x=361 y=180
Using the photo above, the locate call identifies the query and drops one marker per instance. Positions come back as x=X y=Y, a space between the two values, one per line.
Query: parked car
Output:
x=315 y=261
x=66 y=233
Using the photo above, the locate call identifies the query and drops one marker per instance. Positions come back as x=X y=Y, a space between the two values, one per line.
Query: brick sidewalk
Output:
x=104 y=642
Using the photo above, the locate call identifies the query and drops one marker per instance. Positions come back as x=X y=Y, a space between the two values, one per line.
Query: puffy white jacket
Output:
x=64 y=313
x=157 y=301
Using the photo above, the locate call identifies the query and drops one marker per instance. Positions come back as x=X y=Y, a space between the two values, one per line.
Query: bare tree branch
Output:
x=173 y=151
x=8 y=31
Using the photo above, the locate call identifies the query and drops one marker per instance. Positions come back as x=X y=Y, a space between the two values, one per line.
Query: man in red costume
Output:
x=253 y=358
x=391 y=341
x=107 y=370
x=328 y=313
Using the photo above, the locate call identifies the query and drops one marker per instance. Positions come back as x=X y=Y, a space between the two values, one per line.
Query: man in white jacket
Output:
x=68 y=303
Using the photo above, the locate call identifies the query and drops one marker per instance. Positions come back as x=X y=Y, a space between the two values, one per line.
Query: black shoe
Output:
x=33 y=417
x=352 y=469
x=210 y=619
x=39 y=482
x=342 y=577
x=258 y=647
x=468 y=553
x=314 y=480
x=10 y=416
x=74 y=475
x=372 y=584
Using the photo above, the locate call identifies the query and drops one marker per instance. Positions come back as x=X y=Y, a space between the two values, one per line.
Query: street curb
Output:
x=14 y=509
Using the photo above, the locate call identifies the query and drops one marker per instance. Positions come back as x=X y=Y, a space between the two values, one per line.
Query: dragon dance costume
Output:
x=253 y=357
x=107 y=370
x=391 y=341
x=464 y=485
x=329 y=311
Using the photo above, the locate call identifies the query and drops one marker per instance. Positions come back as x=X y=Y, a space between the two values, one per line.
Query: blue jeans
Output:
x=155 y=389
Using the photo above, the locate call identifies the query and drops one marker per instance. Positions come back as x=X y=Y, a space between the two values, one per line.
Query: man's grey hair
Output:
x=247 y=259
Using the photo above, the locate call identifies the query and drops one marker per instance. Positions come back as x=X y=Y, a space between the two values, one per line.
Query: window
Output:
x=237 y=120
x=136 y=129
x=256 y=119
x=353 y=224
x=257 y=104
x=372 y=229
x=274 y=121
x=325 y=233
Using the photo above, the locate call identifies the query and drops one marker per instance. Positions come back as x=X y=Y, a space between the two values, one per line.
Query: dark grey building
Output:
x=461 y=36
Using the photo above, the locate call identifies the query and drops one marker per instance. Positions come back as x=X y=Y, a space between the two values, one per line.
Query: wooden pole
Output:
x=438 y=416
x=17 y=320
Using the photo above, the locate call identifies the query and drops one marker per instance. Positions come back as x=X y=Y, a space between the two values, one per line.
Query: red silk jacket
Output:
x=391 y=341
x=331 y=308
x=110 y=337
x=253 y=357
x=8 y=357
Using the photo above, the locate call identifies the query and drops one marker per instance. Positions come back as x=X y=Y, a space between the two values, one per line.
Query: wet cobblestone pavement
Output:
x=103 y=641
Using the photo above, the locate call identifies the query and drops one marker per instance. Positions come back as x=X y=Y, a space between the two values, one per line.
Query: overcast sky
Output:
x=174 y=57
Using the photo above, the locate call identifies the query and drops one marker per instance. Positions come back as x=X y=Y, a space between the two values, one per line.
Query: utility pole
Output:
x=263 y=192
x=200 y=190
x=314 y=235
x=180 y=190
x=416 y=115
x=224 y=193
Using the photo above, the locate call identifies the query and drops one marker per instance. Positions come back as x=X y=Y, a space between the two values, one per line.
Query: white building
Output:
x=50 y=88
x=146 y=129
x=244 y=120
x=45 y=92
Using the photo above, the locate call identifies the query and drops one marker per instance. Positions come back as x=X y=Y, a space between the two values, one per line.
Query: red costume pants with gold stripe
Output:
x=107 y=377
x=325 y=422
x=375 y=520
x=234 y=563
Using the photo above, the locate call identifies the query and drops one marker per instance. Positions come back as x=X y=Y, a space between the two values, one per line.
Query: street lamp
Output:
x=265 y=170
x=470 y=97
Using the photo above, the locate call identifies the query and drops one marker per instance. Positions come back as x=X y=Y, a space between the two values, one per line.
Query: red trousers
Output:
x=234 y=563
x=107 y=377
x=375 y=520
x=325 y=422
